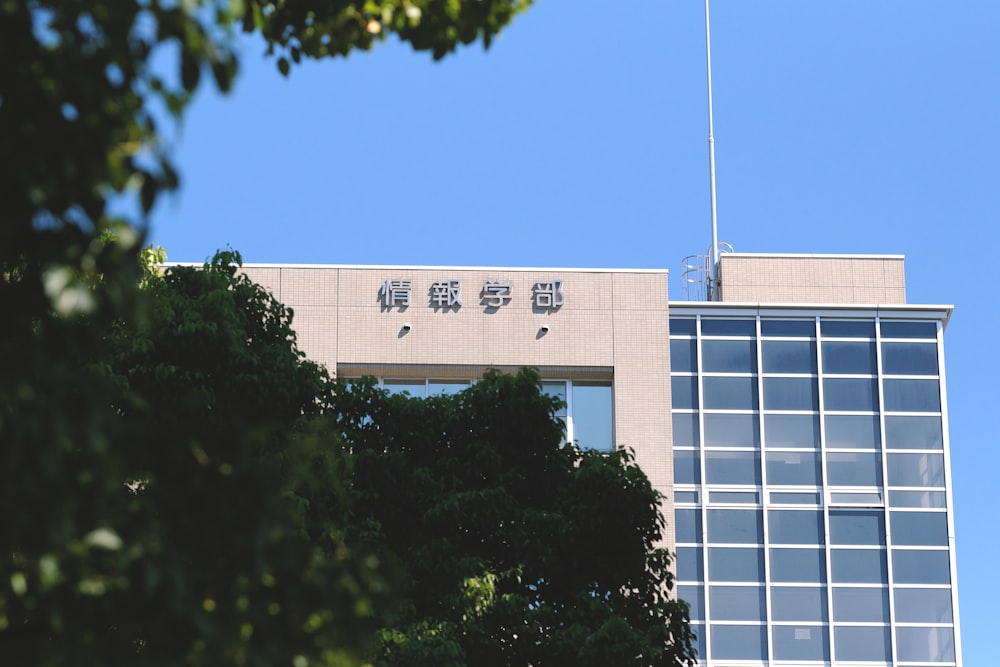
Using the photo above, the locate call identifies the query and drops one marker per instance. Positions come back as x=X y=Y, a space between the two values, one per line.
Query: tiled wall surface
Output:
x=816 y=279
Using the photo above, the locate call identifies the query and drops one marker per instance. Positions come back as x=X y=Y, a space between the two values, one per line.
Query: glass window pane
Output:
x=789 y=356
x=593 y=423
x=853 y=469
x=920 y=567
x=711 y=326
x=850 y=394
x=725 y=467
x=682 y=326
x=737 y=603
x=911 y=395
x=857 y=527
x=925 y=644
x=798 y=566
x=848 y=358
x=908 y=329
x=847 y=328
x=923 y=605
x=731 y=431
x=739 y=642
x=415 y=388
x=446 y=387
x=791 y=394
x=687 y=467
x=852 y=432
x=795 y=527
x=685 y=497
x=919 y=528
x=792 y=431
x=916 y=469
x=685 y=429
x=858 y=566
x=861 y=643
x=700 y=643
x=861 y=605
x=556 y=390
x=789 y=328
x=913 y=432
x=689 y=564
x=733 y=497
x=793 y=468
x=804 y=642
x=725 y=393
x=738 y=564
x=683 y=355
x=794 y=498
x=790 y=603
x=917 y=499
x=909 y=359
x=729 y=356
x=695 y=597
x=684 y=392
x=688 y=528
x=735 y=526
x=869 y=499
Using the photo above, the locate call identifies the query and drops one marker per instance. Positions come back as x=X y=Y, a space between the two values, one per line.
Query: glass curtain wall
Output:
x=810 y=490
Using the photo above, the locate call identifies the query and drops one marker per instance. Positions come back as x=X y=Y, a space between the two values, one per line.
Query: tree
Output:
x=520 y=550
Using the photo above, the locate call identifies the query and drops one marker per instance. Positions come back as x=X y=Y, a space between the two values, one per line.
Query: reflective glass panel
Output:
x=695 y=597
x=859 y=566
x=723 y=430
x=852 y=432
x=794 y=498
x=920 y=567
x=711 y=326
x=556 y=390
x=853 y=469
x=798 y=566
x=700 y=643
x=684 y=392
x=861 y=643
x=682 y=326
x=791 y=394
x=805 y=642
x=795 y=527
x=445 y=387
x=857 y=526
x=916 y=469
x=870 y=499
x=923 y=605
x=911 y=395
x=683 y=355
x=850 y=394
x=685 y=429
x=925 y=644
x=909 y=358
x=726 y=467
x=726 y=393
x=848 y=358
x=687 y=467
x=928 y=529
x=790 y=603
x=689 y=564
x=913 y=432
x=733 y=497
x=788 y=328
x=685 y=496
x=735 y=526
x=688 y=528
x=737 y=603
x=908 y=329
x=800 y=431
x=739 y=642
x=415 y=388
x=789 y=356
x=917 y=499
x=729 y=356
x=793 y=468
x=861 y=605
x=593 y=410
x=847 y=328
x=736 y=564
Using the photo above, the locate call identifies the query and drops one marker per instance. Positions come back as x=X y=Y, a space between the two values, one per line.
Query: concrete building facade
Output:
x=797 y=428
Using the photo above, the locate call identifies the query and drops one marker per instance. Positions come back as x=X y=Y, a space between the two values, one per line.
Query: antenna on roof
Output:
x=713 y=277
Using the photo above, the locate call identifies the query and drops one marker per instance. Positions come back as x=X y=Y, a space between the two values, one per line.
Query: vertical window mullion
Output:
x=827 y=551
x=702 y=494
x=885 y=486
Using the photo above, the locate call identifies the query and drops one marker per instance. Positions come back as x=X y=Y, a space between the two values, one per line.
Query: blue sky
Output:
x=579 y=140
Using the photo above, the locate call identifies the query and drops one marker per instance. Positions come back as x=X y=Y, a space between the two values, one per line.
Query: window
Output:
x=798 y=603
x=798 y=565
x=735 y=526
x=793 y=642
x=852 y=432
x=737 y=603
x=920 y=567
x=913 y=432
x=853 y=469
x=793 y=468
x=859 y=566
x=857 y=527
x=911 y=395
x=861 y=605
x=795 y=527
x=736 y=564
x=790 y=394
x=909 y=359
x=799 y=431
x=850 y=394
x=789 y=356
x=861 y=643
x=592 y=418
x=729 y=356
x=849 y=358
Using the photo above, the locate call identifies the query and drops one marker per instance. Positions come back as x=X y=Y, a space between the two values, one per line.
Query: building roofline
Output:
x=795 y=255
x=417 y=267
x=943 y=311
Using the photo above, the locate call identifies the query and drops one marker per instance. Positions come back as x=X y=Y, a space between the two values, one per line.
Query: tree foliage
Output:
x=520 y=550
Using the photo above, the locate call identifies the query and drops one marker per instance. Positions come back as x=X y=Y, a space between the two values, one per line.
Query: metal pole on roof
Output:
x=713 y=278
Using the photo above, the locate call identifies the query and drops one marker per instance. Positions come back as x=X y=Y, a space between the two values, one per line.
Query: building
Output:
x=797 y=426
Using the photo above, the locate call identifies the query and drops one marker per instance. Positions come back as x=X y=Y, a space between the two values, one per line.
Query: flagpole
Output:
x=713 y=280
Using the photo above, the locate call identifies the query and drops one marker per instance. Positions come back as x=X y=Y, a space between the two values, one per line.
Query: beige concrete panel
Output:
x=267 y=277
x=310 y=286
x=316 y=332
